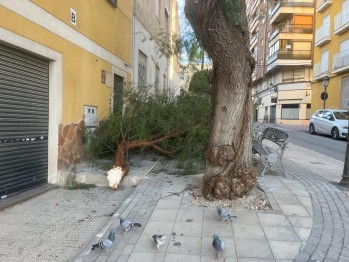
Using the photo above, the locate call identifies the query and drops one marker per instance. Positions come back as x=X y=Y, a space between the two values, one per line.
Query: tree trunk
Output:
x=228 y=171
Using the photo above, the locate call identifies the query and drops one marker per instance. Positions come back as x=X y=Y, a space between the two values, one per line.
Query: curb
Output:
x=81 y=257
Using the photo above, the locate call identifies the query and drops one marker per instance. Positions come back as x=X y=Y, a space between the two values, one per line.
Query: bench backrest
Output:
x=275 y=135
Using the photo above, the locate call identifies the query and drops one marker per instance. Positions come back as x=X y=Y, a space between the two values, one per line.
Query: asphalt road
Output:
x=319 y=143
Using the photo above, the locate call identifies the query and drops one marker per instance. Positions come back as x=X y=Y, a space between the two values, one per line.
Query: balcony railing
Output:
x=341 y=61
x=320 y=69
x=274 y=34
x=291 y=54
x=298 y=29
x=253 y=40
x=323 y=35
x=341 y=22
x=322 y=5
x=254 y=6
x=291 y=3
x=254 y=24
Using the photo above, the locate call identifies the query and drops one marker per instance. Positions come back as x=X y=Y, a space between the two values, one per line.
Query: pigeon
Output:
x=224 y=214
x=218 y=245
x=159 y=240
x=106 y=243
x=126 y=225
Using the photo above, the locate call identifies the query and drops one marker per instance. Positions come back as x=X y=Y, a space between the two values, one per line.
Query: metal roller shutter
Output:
x=24 y=107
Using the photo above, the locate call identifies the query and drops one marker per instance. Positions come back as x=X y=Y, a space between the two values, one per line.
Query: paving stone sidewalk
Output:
x=309 y=222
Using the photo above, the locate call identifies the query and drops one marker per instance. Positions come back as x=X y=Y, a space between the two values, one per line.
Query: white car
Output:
x=333 y=122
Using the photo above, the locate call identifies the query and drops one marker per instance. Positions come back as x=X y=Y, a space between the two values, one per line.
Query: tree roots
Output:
x=230 y=185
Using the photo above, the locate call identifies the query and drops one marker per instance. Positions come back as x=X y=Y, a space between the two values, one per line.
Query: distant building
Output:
x=281 y=40
x=154 y=23
x=331 y=54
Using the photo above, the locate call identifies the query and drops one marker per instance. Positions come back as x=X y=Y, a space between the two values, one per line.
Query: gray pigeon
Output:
x=224 y=214
x=159 y=240
x=126 y=225
x=218 y=245
x=106 y=243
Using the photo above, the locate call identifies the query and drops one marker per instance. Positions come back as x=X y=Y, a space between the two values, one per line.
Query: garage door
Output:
x=24 y=108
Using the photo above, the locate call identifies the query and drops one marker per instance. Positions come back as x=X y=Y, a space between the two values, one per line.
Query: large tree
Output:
x=221 y=28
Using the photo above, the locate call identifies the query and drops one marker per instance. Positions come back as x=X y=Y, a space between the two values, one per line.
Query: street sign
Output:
x=324 y=96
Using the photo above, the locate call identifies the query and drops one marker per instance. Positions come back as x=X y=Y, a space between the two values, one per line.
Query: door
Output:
x=24 y=114
x=272 y=113
x=118 y=94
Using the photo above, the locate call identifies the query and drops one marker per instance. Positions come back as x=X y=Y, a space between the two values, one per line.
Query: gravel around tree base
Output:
x=254 y=200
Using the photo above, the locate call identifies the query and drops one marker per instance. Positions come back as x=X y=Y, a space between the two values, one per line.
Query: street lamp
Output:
x=324 y=94
x=345 y=175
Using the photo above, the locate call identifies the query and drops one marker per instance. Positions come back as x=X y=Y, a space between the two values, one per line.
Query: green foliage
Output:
x=200 y=82
x=234 y=11
x=147 y=115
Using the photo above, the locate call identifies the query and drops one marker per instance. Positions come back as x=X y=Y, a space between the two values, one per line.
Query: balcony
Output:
x=323 y=35
x=285 y=8
x=320 y=70
x=322 y=5
x=254 y=6
x=254 y=24
x=341 y=23
x=291 y=31
x=341 y=62
x=289 y=58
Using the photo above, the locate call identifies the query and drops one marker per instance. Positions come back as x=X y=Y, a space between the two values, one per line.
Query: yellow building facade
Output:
x=331 y=55
x=86 y=47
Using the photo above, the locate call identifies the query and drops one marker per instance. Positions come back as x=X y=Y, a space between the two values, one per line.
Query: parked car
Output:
x=333 y=122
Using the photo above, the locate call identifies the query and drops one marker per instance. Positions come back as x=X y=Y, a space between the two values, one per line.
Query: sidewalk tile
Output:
x=184 y=244
x=195 y=216
x=174 y=257
x=273 y=219
x=299 y=221
x=293 y=210
x=164 y=215
x=253 y=248
x=302 y=233
x=159 y=227
x=242 y=231
x=145 y=256
x=280 y=233
x=188 y=229
x=223 y=229
x=285 y=250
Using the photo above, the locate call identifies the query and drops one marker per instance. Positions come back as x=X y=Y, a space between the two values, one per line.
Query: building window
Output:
x=165 y=82
x=345 y=93
x=293 y=75
x=290 y=111
x=157 y=78
x=142 y=69
x=273 y=100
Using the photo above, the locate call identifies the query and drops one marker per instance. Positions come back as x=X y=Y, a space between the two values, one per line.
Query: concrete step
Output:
x=86 y=173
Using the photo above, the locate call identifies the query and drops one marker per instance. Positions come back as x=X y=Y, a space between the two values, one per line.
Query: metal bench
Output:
x=270 y=143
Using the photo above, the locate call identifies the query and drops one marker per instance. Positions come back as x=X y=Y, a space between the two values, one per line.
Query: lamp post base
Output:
x=344 y=182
